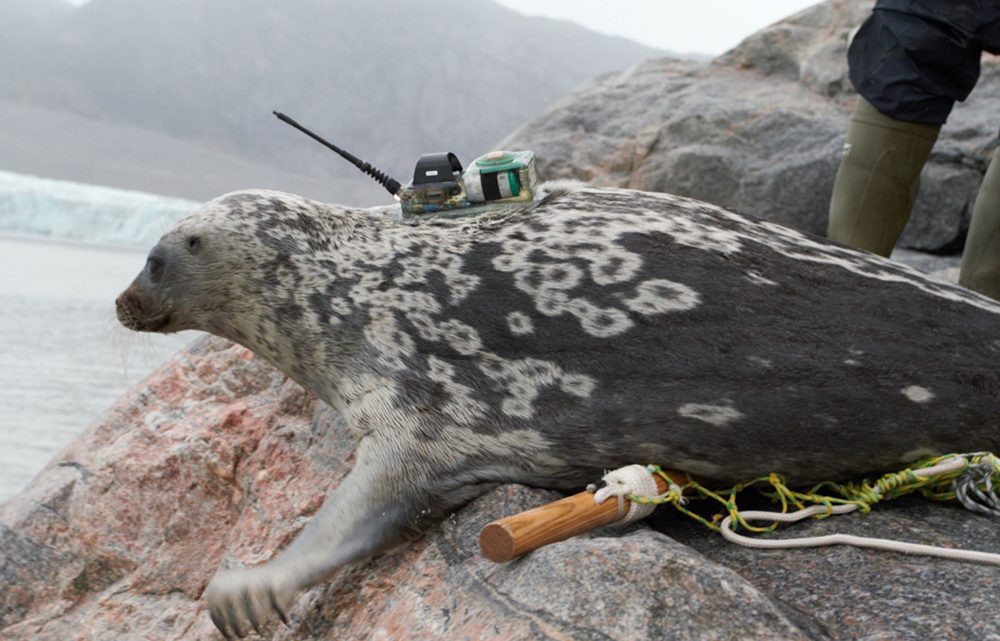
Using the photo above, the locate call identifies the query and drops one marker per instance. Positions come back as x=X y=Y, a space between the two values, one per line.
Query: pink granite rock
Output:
x=218 y=458
x=213 y=454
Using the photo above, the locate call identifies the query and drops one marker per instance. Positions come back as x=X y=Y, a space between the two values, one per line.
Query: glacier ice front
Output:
x=90 y=213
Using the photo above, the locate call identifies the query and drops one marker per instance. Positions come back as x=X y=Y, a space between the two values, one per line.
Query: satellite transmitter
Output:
x=441 y=187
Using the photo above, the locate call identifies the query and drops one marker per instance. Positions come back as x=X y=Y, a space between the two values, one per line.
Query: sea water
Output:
x=66 y=251
x=64 y=359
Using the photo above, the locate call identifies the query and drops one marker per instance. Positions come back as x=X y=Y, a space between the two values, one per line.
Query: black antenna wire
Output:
x=391 y=185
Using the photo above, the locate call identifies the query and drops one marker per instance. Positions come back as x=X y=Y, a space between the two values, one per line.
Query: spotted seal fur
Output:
x=592 y=329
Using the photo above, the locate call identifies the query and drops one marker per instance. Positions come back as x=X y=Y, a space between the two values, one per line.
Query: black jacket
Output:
x=912 y=59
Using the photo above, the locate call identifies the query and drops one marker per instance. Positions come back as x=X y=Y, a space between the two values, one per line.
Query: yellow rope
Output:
x=863 y=494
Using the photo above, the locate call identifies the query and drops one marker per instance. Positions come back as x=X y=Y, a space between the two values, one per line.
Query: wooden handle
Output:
x=513 y=536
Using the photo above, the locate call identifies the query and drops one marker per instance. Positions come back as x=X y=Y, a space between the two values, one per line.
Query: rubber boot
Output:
x=878 y=179
x=981 y=258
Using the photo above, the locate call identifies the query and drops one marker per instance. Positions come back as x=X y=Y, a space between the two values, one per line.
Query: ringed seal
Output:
x=589 y=330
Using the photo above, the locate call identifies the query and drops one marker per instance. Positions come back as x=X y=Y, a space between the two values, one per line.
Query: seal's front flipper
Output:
x=371 y=511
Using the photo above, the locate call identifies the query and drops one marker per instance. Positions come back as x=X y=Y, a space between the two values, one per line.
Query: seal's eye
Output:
x=194 y=244
x=154 y=266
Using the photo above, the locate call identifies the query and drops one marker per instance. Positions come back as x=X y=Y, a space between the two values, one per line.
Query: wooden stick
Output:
x=514 y=536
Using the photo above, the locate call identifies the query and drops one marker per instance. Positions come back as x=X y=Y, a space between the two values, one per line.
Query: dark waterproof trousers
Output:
x=912 y=59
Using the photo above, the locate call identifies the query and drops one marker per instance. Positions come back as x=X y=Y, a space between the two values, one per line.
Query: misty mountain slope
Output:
x=47 y=142
x=25 y=13
x=386 y=79
x=25 y=28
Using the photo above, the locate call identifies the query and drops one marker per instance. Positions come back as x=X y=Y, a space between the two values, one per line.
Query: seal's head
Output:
x=176 y=284
x=215 y=263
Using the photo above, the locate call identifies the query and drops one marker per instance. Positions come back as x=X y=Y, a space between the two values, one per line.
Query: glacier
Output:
x=88 y=213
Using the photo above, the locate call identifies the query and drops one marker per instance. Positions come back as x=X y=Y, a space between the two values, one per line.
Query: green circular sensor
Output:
x=495 y=158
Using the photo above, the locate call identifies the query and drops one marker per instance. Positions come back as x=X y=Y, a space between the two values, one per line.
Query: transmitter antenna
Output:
x=391 y=185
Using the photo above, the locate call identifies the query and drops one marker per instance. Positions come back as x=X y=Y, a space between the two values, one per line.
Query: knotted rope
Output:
x=971 y=478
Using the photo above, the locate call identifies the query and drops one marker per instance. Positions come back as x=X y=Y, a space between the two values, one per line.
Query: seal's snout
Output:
x=139 y=314
x=145 y=306
x=125 y=305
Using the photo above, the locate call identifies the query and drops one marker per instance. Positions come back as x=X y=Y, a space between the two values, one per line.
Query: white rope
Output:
x=948 y=465
x=842 y=539
x=631 y=479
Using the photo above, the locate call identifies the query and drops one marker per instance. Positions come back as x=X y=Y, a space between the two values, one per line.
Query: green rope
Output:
x=863 y=494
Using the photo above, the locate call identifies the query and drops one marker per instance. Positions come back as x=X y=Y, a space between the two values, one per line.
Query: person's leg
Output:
x=909 y=61
x=981 y=258
x=878 y=179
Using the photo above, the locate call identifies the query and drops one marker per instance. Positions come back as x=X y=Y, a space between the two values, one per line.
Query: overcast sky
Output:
x=684 y=26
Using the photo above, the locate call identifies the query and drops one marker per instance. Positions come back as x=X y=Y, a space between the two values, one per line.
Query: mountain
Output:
x=26 y=12
x=386 y=79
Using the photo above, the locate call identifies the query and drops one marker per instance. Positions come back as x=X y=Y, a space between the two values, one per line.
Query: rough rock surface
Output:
x=758 y=130
x=217 y=457
x=845 y=593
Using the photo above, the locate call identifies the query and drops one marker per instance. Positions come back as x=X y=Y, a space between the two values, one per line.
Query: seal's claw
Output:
x=251 y=612
x=232 y=617
x=240 y=632
x=277 y=608
x=220 y=623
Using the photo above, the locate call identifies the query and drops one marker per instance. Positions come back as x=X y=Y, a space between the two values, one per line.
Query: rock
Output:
x=846 y=593
x=118 y=536
x=219 y=458
x=758 y=130
x=809 y=47
x=632 y=584
x=944 y=268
